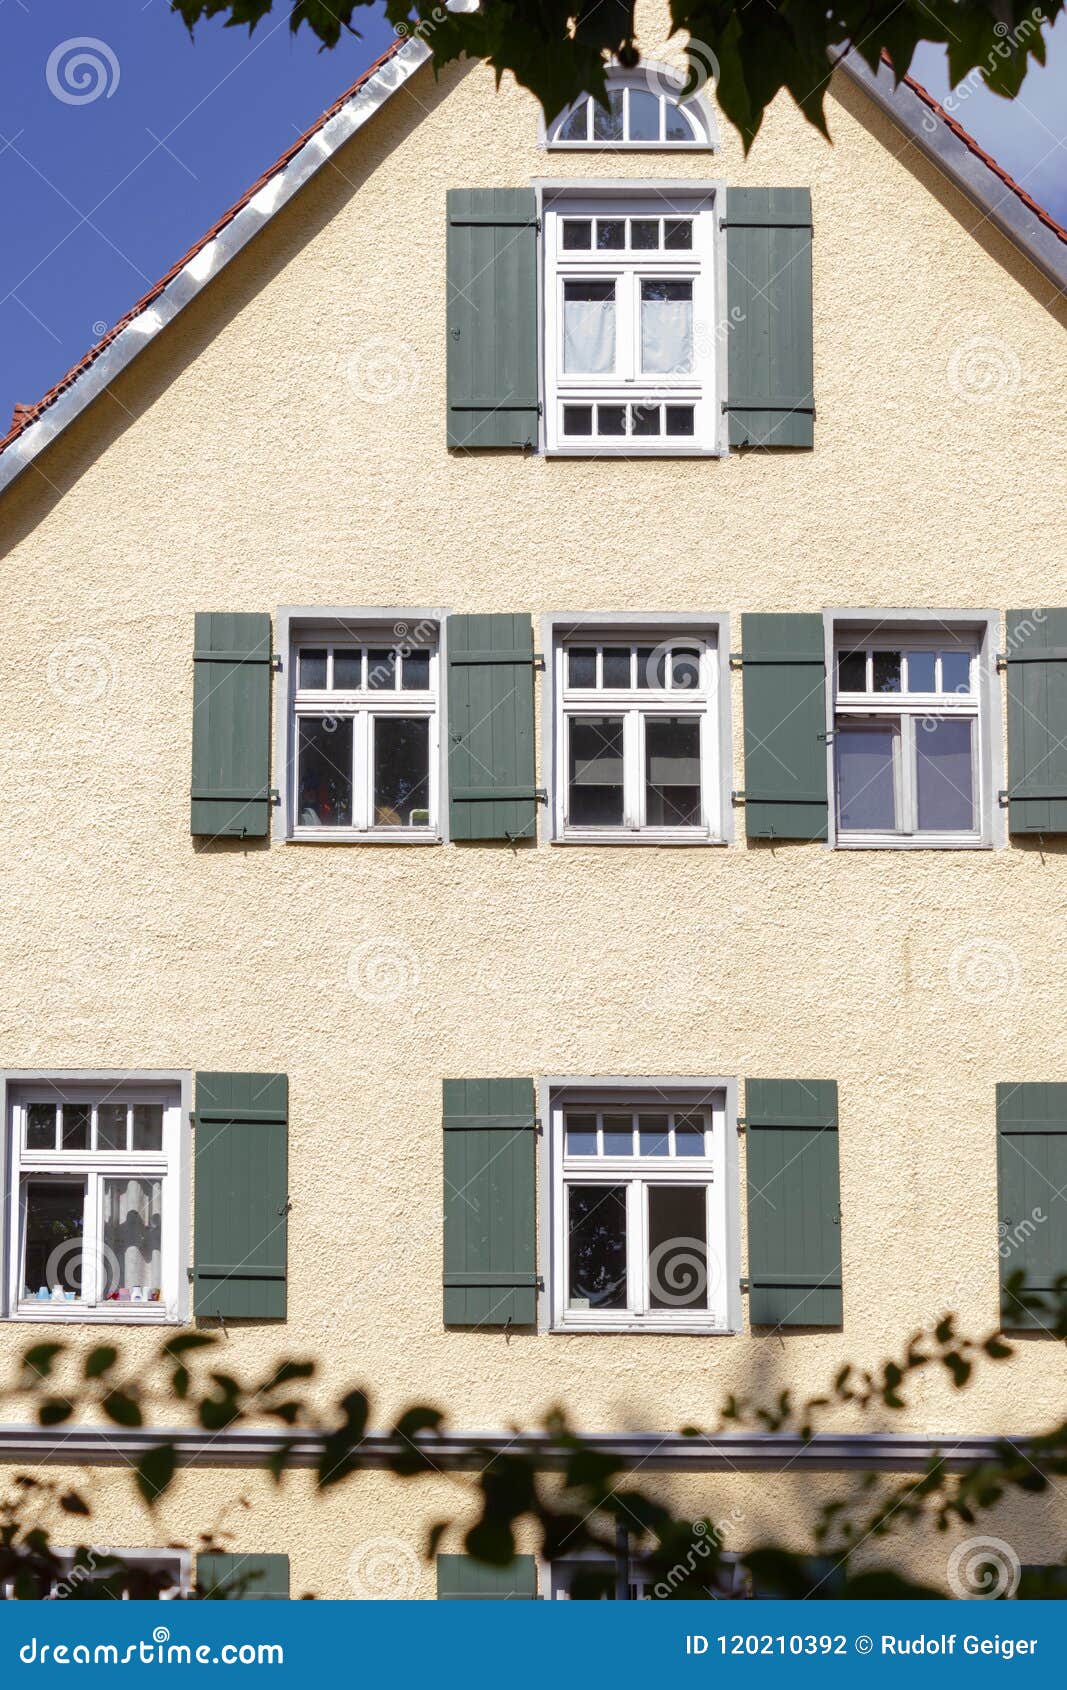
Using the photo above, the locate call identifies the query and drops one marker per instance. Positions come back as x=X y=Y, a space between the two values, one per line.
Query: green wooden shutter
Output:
x=1037 y=721
x=241 y=1195
x=489 y=1203
x=1032 y=1191
x=794 y=1203
x=460 y=1578
x=491 y=771
x=231 y=725
x=250 y=1578
x=768 y=287
x=492 y=317
x=784 y=688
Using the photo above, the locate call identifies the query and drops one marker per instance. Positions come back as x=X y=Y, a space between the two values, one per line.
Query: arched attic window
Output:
x=647 y=112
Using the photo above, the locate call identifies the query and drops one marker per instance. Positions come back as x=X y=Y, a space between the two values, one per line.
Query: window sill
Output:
x=639 y=836
x=351 y=836
x=893 y=843
x=634 y=449
x=62 y=1314
x=659 y=1328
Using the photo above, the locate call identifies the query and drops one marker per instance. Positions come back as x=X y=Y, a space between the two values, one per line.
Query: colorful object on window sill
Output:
x=44 y=1295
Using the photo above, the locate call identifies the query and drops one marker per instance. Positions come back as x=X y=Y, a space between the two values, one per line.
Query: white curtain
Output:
x=588 y=336
x=133 y=1235
x=667 y=335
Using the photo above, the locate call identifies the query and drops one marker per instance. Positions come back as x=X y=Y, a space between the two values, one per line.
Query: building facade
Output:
x=534 y=715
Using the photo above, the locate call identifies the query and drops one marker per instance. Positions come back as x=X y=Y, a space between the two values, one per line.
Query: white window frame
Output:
x=716 y=1171
x=660 y=80
x=181 y=1590
x=169 y=1165
x=703 y=264
x=711 y=704
x=919 y=631
x=399 y=630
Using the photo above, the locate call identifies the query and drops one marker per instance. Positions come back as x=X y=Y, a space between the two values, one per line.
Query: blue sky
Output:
x=100 y=196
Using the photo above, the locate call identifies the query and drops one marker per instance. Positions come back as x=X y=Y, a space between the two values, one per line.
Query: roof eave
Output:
x=933 y=134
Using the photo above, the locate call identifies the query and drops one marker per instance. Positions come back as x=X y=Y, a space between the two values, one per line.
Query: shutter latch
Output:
x=286 y=1206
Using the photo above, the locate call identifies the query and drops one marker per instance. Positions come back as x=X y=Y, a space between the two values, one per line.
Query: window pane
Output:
x=607 y=125
x=852 y=671
x=401 y=771
x=610 y=234
x=611 y=419
x=577 y=234
x=666 y=327
x=654 y=1136
x=619 y=1135
x=148 y=1126
x=111 y=1126
x=685 y=668
x=577 y=419
x=865 y=793
x=77 y=1118
x=672 y=771
x=678 y=234
x=595 y=772
x=576 y=126
x=955 y=671
x=616 y=666
x=644 y=115
x=689 y=1135
x=313 y=668
x=132 y=1245
x=644 y=234
x=944 y=775
x=324 y=766
x=677 y=1247
x=885 y=671
x=922 y=671
x=680 y=419
x=596 y=1246
x=347 y=670
x=55 y=1224
x=581 y=1134
x=645 y=420
x=677 y=126
x=581 y=666
x=589 y=327
x=652 y=667
x=415 y=671
x=41 y=1126
x=381 y=670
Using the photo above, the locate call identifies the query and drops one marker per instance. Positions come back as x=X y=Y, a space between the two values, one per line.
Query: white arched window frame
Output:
x=648 y=114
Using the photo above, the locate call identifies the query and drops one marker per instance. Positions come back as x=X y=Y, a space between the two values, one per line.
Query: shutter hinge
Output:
x=1001 y=660
x=745 y=1287
x=827 y=738
x=274 y=796
x=190 y=1274
x=742 y=1123
x=736 y=659
x=738 y=797
x=537 y=224
x=539 y=660
x=1002 y=798
x=276 y=662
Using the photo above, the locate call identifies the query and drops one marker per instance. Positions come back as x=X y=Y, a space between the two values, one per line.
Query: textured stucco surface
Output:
x=248 y=460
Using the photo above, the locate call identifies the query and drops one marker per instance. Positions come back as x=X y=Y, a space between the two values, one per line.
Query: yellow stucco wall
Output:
x=239 y=464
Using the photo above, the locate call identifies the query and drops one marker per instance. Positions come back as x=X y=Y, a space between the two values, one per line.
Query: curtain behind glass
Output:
x=133 y=1259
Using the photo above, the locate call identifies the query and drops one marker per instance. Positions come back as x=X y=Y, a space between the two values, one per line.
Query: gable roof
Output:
x=933 y=130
